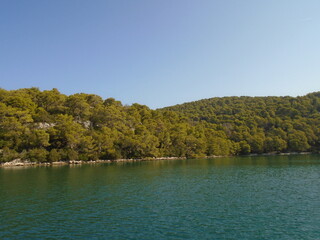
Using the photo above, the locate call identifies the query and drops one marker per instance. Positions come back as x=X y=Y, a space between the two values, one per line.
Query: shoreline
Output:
x=21 y=163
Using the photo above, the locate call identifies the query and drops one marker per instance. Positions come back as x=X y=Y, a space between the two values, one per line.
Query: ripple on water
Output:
x=230 y=198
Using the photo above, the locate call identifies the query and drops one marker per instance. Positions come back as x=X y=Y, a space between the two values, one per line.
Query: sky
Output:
x=161 y=52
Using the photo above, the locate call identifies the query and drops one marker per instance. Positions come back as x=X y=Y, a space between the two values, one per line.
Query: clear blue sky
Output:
x=161 y=52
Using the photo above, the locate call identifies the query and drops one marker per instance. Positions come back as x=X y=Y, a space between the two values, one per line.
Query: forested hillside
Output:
x=261 y=124
x=49 y=126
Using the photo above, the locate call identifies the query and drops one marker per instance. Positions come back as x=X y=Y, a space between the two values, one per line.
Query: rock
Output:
x=15 y=162
x=58 y=163
x=75 y=162
x=45 y=125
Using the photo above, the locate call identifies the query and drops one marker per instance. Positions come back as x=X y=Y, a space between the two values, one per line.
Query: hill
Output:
x=49 y=126
x=261 y=124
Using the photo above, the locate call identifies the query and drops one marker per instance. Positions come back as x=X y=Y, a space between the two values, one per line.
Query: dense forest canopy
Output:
x=49 y=126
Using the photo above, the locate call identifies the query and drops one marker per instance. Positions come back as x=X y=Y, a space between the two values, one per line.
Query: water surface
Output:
x=274 y=197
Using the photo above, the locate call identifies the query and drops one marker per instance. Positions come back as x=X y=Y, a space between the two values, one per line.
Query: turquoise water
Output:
x=274 y=197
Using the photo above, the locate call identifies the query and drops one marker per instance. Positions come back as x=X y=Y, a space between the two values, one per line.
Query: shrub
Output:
x=37 y=155
x=7 y=155
x=54 y=156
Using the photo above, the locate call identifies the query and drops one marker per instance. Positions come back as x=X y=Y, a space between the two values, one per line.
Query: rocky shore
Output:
x=23 y=163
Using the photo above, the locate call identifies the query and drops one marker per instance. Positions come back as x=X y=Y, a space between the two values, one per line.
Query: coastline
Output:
x=26 y=163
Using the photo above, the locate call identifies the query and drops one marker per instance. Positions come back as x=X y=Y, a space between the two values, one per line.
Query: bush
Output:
x=83 y=157
x=37 y=155
x=7 y=155
x=72 y=154
x=54 y=156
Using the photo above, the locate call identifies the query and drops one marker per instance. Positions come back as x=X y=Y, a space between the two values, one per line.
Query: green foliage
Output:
x=259 y=124
x=54 y=156
x=7 y=155
x=71 y=154
x=298 y=141
x=245 y=148
x=37 y=155
x=49 y=126
x=275 y=144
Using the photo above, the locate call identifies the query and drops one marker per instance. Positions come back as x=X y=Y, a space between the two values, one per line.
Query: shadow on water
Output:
x=259 y=160
x=74 y=175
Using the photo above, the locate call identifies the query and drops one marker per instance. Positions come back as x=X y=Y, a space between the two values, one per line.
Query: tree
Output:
x=47 y=125
x=297 y=141
x=54 y=156
x=37 y=155
x=78 y=106
x=275 y=144
x=66 y=133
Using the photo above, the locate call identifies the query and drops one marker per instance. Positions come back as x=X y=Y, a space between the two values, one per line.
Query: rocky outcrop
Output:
x=75 y=162
x=18 y=162
x=45 y=125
